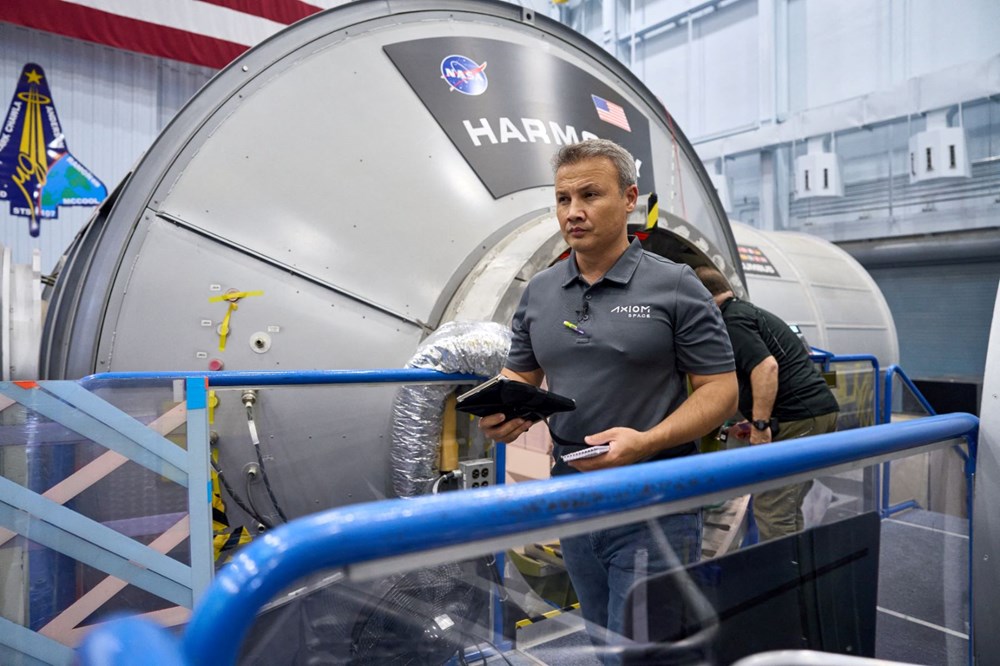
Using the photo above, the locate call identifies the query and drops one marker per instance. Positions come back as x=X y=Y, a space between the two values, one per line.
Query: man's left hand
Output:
x=627 y=446
x=760 y=436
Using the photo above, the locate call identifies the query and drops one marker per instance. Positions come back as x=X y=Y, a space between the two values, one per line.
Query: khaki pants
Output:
x=779 y=512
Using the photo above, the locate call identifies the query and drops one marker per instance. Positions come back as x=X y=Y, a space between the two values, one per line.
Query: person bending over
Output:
x=780 y=388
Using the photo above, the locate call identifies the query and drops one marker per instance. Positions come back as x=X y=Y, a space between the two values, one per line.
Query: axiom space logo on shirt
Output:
x=633 y=311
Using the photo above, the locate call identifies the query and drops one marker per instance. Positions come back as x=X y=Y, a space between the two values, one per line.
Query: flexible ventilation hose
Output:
x=468 y=347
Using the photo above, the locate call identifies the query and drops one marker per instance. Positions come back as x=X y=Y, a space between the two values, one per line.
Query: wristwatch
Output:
x=761 y=424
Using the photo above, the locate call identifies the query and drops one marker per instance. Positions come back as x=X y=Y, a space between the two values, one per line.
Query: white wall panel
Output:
x=666 y=73
x=844 y=54
x=111 y=104
x=728 y=44
x=587 y=19
x=942 y=34
x=653 y=11
x=708 y=79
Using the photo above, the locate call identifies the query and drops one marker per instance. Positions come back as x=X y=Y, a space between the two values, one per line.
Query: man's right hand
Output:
x=498 y=429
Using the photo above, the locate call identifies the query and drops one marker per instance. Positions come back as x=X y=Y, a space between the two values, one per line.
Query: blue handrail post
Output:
x=499 y=640
x=886 y=417
x=199 y=486
x=972 y=440
x=821 y=356
x=884 y=509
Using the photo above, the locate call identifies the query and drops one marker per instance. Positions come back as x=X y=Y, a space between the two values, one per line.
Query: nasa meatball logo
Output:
x=464 y=75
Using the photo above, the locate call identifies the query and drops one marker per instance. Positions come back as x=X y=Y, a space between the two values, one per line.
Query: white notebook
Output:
x=588 y=452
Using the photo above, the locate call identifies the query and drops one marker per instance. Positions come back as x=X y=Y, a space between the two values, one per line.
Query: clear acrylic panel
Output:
x=72 y=498
x=849 y=582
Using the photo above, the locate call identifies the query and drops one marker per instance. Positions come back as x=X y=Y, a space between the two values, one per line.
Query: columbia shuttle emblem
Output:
x=38 y=174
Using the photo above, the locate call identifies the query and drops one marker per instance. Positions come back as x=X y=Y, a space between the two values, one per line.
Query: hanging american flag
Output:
x=610 y=112
x=204 y=32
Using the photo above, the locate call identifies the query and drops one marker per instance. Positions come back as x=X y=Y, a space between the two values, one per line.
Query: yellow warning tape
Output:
x=544 y=616
x=231 y=297
x=224 y=328
x=652 y=211
x=234 y=296
x=224 y=540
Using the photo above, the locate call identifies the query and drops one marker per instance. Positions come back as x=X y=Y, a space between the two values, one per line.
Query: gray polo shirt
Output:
x=641 y=327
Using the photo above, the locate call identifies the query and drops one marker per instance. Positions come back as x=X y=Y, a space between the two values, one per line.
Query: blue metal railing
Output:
x=896 y=371
x=883 y=401
x=484 y=519
x=289 y=377
x=886 y=509
x=825 y=358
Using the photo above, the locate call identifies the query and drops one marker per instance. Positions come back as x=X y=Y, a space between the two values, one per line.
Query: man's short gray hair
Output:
x=622 y=160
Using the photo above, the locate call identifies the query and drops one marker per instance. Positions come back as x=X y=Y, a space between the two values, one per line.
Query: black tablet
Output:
x=514 y=399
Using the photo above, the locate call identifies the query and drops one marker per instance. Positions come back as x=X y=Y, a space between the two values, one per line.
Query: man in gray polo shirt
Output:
x=619 y=330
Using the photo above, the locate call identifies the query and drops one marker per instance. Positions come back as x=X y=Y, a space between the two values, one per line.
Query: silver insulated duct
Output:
x=467 y=347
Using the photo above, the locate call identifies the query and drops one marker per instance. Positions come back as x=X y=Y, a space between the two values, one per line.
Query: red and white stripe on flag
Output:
x=610 y=112
x=204 y=32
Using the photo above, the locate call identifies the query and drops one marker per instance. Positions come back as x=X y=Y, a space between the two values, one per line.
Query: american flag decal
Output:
x=610 y=112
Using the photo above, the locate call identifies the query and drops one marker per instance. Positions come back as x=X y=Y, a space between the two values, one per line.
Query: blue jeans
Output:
x=603 y=565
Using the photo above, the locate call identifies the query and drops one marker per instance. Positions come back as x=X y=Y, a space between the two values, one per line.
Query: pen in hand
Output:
x=573 y=327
